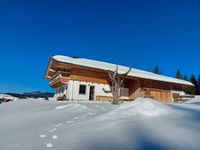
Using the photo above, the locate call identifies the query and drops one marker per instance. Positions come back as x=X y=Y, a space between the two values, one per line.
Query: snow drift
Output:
x=141 y=106
x=141 y=124
x=72 y=106
x=195 y=100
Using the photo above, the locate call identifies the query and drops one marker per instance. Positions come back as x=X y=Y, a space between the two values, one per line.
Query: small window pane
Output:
x=82 y=89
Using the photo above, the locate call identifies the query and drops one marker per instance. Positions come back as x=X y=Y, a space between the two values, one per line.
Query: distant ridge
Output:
x=36 y=94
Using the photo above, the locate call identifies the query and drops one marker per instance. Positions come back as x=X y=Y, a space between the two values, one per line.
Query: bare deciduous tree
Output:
x=117 y=81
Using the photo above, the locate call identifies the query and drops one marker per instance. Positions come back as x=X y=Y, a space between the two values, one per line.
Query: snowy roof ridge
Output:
x=122 y=69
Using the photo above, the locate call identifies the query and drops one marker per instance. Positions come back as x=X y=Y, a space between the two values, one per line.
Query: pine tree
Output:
x=185 y=78
x=193 y=80
x=156 y=70
x=178 y=75
x=186 y=89
x=198 y=85
x=193 y=90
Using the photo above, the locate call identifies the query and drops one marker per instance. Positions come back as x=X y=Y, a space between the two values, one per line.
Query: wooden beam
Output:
x=52 y=70
x=88 y=79
x=58 y=82
x=48 y=77
x=47 y=70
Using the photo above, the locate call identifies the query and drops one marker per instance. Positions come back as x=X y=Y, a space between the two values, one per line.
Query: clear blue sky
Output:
x=137 y=33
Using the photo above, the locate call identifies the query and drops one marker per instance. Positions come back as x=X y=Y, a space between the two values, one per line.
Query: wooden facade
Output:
x=158 y=94
x=59 y=73
x=103 y=98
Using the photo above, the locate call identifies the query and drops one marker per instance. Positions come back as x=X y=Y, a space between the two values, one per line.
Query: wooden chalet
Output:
x=84 y=79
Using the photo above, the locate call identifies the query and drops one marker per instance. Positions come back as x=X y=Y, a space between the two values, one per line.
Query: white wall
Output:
x=72 y=90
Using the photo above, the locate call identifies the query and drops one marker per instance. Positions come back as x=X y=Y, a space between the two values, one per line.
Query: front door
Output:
x=91 y=96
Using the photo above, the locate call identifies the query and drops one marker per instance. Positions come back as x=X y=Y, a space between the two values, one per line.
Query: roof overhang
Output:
x=107 y=67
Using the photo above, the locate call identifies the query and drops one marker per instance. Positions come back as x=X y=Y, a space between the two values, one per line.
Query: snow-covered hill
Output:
x=35 y=95
x=142 y=124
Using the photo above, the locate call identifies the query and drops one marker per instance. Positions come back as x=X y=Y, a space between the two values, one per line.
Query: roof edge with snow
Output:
x=122 y=69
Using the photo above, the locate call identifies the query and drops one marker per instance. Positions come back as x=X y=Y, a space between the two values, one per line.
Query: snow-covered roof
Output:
x=121 y=69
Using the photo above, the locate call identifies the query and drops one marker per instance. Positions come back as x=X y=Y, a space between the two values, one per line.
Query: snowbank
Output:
x=141 y=106
x=195 y=100
x=72 y=106
x=75 y=125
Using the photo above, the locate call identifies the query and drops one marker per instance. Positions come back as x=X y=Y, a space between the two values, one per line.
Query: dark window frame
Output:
x=82 y=89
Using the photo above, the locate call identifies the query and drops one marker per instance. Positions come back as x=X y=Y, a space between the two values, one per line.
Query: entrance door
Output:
x=91 y=96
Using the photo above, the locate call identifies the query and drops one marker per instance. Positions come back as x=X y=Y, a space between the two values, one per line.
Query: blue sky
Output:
x=137 y=33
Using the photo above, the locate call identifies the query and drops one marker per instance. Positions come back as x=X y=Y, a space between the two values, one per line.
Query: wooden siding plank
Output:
x=88 y=79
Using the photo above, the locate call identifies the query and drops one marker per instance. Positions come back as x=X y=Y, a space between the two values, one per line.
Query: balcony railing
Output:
x=58 y=78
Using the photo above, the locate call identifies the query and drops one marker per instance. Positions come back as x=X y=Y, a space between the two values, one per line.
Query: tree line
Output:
x=193 y=79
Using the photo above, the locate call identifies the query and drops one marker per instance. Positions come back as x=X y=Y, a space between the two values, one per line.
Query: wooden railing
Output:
x=58 y=77
x=181 y=98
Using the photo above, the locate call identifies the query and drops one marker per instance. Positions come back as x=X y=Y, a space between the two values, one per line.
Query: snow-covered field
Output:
x=143 y=124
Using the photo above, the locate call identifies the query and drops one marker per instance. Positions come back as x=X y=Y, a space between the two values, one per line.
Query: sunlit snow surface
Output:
x=142 y=124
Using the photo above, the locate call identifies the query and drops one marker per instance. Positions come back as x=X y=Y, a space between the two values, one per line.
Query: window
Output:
x=82 y=89
x=66 y=86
